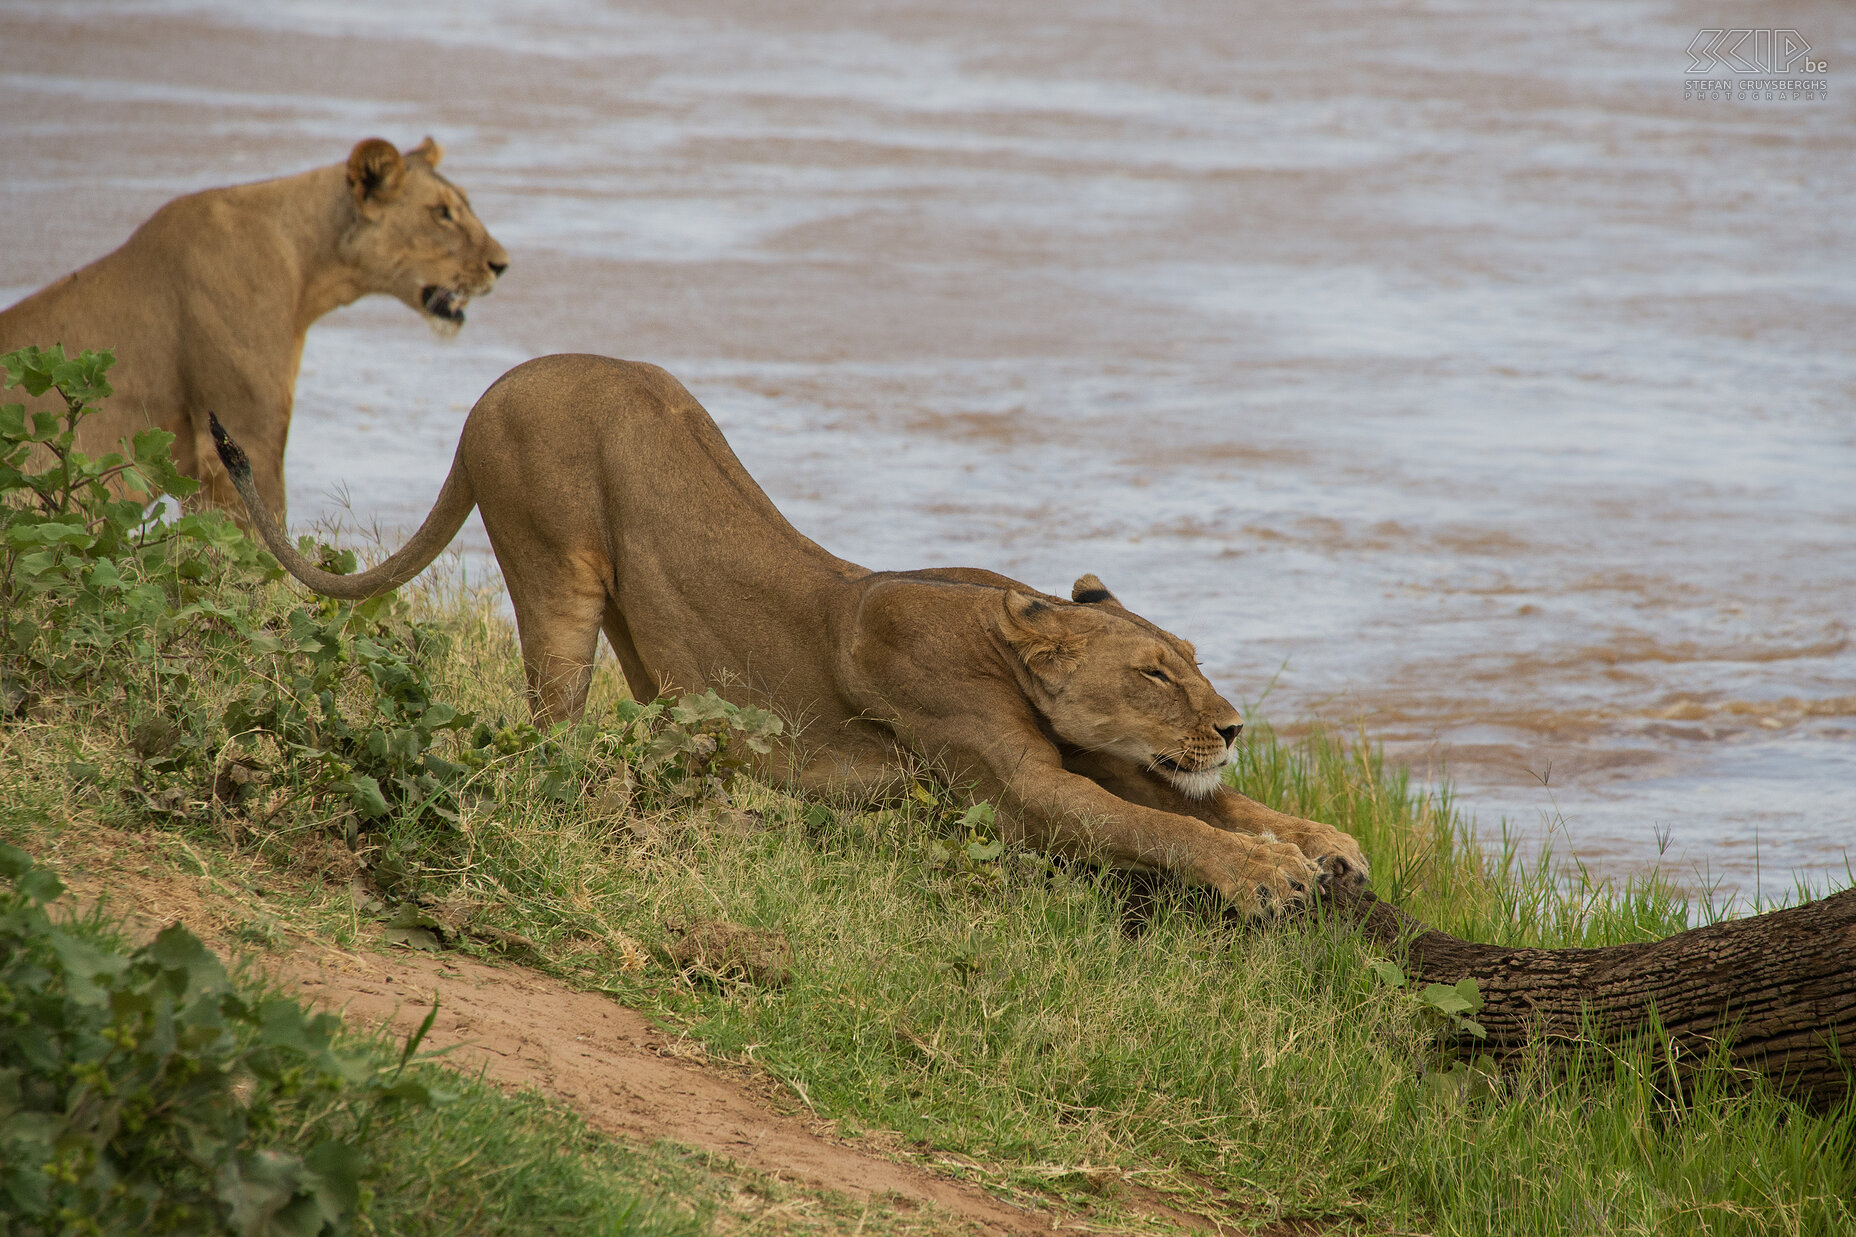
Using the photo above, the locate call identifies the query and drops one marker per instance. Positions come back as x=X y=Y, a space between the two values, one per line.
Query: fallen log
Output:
x=1779 y=989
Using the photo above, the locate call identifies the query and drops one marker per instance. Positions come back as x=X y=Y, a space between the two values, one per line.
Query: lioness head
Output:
x=415 y=236
x=1109 y=681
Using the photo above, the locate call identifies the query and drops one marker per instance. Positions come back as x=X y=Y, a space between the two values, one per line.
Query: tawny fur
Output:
x=614 y=504
x=206 y=306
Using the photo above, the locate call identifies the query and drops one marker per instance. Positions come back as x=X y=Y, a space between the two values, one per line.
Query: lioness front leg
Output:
x=1071 y=814
x=1341 y=861
x=255 y=409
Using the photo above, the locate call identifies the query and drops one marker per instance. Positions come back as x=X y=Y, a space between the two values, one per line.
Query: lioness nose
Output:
x=1229 y=733
x=497 y=268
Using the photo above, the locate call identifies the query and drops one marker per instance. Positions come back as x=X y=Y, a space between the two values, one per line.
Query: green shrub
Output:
x=139 y=1091
x=379 y=752
x=92 y=573
x=96 y=585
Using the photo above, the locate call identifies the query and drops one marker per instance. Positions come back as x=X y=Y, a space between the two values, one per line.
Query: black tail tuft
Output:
x=230 y=453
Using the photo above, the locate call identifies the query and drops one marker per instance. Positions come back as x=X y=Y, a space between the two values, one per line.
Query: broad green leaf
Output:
x=283 y=1024
x=83 y=964
x=68 y=531
x=408 y=915
x=103 y=574
x=40 y=885
x=412 y=926
x=1445 y=999
x=180 y=952
x=364 y=791
x=339 y=1167
x=703 y=708
x=14 y=862
x=31 y=566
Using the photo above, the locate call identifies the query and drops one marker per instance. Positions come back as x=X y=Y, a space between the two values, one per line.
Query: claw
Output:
x=1350 y=876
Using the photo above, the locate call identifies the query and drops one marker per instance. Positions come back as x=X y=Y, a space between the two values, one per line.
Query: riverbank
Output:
x=1063 y=1038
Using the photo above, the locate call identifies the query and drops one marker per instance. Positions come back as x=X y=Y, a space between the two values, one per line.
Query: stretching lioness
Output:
x=206 y=306
x=614 y=504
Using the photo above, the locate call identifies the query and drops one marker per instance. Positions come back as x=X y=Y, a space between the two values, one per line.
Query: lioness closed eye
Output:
x=207 y=304
x=615 y=505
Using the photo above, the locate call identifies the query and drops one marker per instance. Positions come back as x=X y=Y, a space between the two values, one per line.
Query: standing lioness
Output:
x=207 y=304
x=614 y=504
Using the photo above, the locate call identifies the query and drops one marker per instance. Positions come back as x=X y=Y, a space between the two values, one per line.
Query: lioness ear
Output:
x=1090 y=591
x=375 y=173
x=1049 y=638
x=428 y=152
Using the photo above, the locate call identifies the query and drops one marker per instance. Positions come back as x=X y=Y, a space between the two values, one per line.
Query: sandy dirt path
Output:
x=623 y=1075
x=521 y=1029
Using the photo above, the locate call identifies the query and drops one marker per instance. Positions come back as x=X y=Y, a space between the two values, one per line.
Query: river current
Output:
x=1453 y=373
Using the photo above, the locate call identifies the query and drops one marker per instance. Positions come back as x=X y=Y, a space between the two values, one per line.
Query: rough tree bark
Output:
x=1779 y=987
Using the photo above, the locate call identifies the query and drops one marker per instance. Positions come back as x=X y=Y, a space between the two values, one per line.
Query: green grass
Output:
x=493 y=1163
x=1013 y=1013
x=468 y=1160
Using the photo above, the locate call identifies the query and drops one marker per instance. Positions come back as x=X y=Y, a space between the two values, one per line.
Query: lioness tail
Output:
x=454 y=504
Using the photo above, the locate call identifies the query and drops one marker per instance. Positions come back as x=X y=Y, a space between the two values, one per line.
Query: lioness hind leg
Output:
x=851 y=773
x=558 y=623
x=638 y=680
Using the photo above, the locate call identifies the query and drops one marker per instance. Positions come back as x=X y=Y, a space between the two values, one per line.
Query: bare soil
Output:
x=622 y=1074
x=521 y=1029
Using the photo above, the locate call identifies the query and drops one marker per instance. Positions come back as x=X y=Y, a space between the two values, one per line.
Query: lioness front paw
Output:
x=1343 y=864
x=1261 y=877
x=1342 y=873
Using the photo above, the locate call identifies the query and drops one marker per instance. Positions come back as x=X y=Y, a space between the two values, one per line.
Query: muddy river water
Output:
x=1447 y=371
